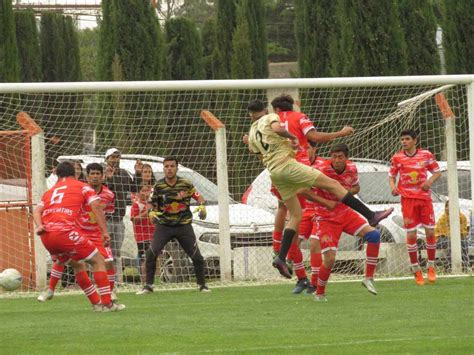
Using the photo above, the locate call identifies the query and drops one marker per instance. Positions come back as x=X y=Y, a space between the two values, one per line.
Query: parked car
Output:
x=249 y=225
x=375 y=192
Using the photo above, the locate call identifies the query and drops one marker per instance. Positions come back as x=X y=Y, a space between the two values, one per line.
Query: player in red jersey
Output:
x=412 y=166
x=332 y=218
x=302 y=127
x=55 y=218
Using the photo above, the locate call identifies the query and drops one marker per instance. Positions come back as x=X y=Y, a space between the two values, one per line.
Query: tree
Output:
x=419 y=25
x=28 y=46
x=9 y=59
x=280 y=29
x=210 y=50
x=458 y=34
x=226 y=22
x=371 y=44
x=242 y=64
x=52 y=47
x=72 y=71
x=198 y=11
x=88 y=44
x=185 y=53
x=316 y=33
x=258 y=36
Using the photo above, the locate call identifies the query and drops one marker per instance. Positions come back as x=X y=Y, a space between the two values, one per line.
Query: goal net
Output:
x=151 y=120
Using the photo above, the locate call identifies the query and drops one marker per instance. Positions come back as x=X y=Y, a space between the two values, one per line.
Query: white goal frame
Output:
x=269 y=85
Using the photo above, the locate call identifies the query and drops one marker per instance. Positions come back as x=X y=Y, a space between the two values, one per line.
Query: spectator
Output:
x=442 y=233
x=147 y=178
x=142 y=227
x=121 y=184
x=79 y=174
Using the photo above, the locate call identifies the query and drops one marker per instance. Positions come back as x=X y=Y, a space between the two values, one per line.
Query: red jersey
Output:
x=142 y=227
x=63 y=204
x=348 y=178
x=87 y=220
x=299 y=125
x=413 y=172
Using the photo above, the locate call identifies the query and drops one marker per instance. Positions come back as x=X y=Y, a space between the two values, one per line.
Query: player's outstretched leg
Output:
x=55 y=275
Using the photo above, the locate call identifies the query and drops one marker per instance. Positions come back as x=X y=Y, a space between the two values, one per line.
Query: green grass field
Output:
x=402 y=318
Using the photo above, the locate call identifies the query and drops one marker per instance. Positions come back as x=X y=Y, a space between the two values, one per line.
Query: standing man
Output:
x=121 y=184
x=417 y=207
x=270 y=140
x=330 y=222
x=172 y=215
x=56 y=217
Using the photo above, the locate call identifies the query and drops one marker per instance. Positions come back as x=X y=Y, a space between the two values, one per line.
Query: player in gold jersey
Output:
x=276 y=145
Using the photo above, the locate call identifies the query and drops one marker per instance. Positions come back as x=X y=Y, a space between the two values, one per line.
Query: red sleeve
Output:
x=89 y=194
x=432 y=166
x=305 y=125
x=393 y=168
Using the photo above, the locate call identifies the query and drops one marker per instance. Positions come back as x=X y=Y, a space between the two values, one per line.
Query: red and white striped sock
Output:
x=316 y=261
x=276 y=242
x=372 y=254
x=323 y=278
x=111 y=277
x=86 y=285
x=431 y=249
x=103 y=286
x=412 y=251
x=55 y=276
x=296 y=256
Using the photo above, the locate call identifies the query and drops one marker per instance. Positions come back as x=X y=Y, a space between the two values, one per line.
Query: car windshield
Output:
x=464 y=182
x=205 y=187
x=374 y=189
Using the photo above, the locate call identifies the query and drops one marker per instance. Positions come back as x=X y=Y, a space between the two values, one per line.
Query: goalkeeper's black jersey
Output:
x=166 y=199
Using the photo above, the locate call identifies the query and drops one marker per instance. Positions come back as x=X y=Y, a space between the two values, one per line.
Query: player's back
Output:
x=274 y=148
x=63 y=203
x=299 y=125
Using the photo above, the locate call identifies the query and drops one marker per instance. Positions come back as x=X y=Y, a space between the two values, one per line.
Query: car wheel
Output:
x=176 y=266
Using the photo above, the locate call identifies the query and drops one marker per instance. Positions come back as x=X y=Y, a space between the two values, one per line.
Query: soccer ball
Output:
x=10 y=279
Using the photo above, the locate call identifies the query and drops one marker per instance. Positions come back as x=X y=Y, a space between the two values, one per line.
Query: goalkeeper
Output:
x=172 y=215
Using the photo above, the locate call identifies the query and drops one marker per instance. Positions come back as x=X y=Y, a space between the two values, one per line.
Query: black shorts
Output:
x=142 y=247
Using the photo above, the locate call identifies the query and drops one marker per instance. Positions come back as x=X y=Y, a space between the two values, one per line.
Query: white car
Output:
x=249 y=226
x=374 y=191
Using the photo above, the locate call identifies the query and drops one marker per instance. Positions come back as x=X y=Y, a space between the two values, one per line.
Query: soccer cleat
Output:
x=282 y=267
x=419 y=278
x=301 y=285
x=113 y=307
x=368 y=283
x=97 y=307
x=311 y=289
x=204 y=288
x=46 y=296
x=113 y=295
x=145 y=290
x=320 y=298
x=380 y=215
x=431 y=274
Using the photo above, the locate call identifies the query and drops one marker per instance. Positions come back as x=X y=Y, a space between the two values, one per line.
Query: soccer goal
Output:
x=202 y=123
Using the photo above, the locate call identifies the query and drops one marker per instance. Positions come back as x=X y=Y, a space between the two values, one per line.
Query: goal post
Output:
x=202 y=124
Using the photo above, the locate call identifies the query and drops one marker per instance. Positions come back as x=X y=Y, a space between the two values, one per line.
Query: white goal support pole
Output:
x=470 y=110
x=223 y=194
x=453 y=194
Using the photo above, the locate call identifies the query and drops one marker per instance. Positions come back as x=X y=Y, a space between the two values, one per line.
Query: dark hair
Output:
x=409 y=132
x=283 y=102
x=65 y=169
x=340 y=147
x=94 y=166
x=170 y=158
x=256 y=106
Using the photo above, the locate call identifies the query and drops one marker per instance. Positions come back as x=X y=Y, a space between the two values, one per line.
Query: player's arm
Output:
x=282 y=132
x=100 y=217
x=311 y=196
x=392 y=178
x=37 y=213
x=324 y=137
x=428 y=183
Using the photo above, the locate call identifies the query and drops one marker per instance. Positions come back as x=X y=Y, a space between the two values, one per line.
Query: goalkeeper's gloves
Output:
x=201 y=211
x=153 y=216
